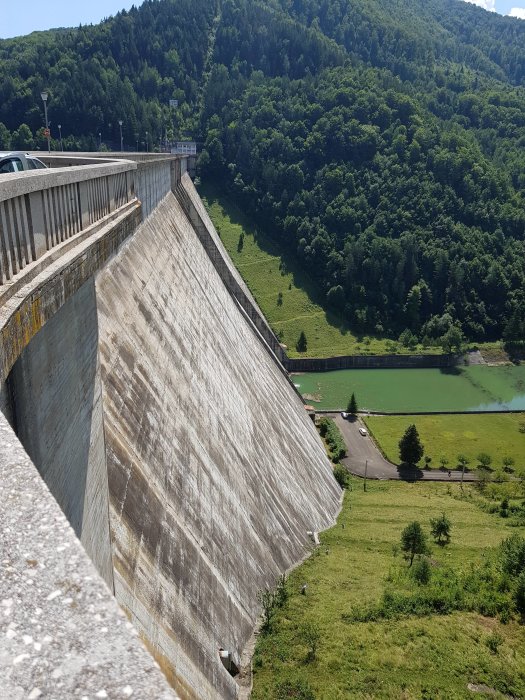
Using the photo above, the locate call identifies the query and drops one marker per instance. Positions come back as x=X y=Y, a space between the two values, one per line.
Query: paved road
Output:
x=362 y=450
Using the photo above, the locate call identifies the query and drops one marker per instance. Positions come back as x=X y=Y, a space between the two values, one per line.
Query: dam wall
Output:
x=147 y=390
x=215 y=470
x=56 y=404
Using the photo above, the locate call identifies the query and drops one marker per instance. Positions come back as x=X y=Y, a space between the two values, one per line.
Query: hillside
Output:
x=380 y=143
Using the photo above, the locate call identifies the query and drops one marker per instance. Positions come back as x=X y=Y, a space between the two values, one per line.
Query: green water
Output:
x=476 y=388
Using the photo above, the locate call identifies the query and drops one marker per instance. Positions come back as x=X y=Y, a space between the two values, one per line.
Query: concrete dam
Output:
x=146 y=412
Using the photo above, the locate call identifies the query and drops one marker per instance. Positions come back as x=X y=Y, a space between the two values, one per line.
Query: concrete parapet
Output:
x=63 y=635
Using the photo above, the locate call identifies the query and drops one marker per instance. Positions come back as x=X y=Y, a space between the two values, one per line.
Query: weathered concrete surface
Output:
x=62 y=635
x=57 y=407
x=215 y=470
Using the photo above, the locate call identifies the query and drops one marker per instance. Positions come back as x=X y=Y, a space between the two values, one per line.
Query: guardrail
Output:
x=40 y=209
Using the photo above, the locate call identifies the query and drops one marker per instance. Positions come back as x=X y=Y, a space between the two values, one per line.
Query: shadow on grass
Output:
x=455 y=371
x=409 y=472
x=289 y=265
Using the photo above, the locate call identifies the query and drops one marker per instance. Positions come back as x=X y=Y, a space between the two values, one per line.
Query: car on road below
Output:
x=363 y=431
x=344 y=415
x=18 y=161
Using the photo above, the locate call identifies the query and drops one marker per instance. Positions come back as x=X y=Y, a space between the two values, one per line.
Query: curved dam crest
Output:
x=213 y=487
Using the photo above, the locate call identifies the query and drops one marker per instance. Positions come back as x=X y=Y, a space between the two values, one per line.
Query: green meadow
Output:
x=287 y=296
x=498 y=435
x=476 y=387
x=442 y=657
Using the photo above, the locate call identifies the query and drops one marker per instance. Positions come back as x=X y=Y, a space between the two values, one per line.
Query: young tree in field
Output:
x=484 y=459
x=302 y=343
x=440 y=529
x=413 y=541
x=410 y=447
x=352 y=405
x=462 y=461
x=508 y=464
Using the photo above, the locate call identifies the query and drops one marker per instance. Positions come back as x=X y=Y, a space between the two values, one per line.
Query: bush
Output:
x=422 y=571
x=330 y=432
x=494 y=641
x=341 y=476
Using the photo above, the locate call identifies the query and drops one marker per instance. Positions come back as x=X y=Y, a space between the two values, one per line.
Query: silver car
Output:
x=17 y=161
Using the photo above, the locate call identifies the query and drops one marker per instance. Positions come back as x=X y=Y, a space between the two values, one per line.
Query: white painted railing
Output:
x=40 y=209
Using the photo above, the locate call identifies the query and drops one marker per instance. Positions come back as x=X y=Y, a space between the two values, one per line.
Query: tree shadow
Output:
x=454 y=370
x=409 y=472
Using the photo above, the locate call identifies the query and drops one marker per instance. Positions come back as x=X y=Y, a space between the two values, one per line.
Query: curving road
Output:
x=363 y=454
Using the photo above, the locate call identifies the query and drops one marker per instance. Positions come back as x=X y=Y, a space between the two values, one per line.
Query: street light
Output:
x=60 y=136
x=99 y=141
x=121 y=141
x=43 y=95
x=147 y=148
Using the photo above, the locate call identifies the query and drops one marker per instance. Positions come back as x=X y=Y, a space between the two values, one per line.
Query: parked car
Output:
x=344 y=415
x=363 y=431
x=18 y=161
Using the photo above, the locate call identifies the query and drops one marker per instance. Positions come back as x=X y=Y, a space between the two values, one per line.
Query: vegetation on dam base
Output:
x=315 y=645
x=472 y=388
x=499 y=435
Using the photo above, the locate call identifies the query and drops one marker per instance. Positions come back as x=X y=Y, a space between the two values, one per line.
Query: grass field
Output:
x=269 y=271
x=476 y=387
x=433 y=657
x=496 y=434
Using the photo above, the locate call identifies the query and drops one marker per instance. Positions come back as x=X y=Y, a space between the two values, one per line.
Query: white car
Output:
x=18 y=161
x=344 y=415
x=363 y=431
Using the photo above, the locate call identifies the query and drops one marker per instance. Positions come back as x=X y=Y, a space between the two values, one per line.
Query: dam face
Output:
x=155 y=408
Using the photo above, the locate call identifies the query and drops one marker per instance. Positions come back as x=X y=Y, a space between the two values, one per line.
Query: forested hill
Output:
x=380 y=140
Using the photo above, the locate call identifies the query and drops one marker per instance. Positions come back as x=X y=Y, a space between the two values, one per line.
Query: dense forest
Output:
x=381 y=141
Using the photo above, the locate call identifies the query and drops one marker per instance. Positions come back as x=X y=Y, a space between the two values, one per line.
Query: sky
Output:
x=19 y=17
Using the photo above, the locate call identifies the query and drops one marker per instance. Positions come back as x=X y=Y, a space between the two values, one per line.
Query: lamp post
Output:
x=99 y=141
x=43 y=95
x=147 y=147
x=60 y=136
x=121 y=141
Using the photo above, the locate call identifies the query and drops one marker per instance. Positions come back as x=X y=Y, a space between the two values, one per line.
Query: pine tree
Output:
x=302 y=343
x=410 y=448
x=352 y=405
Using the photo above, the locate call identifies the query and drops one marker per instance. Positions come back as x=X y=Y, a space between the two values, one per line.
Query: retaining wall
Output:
x=316 y=364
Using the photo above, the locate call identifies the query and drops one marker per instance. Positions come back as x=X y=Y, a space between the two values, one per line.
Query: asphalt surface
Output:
x=363 y=455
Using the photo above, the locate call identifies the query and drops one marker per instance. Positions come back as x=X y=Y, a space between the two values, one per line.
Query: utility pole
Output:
x=60 y=136
x=121 y=141
x=366 y=470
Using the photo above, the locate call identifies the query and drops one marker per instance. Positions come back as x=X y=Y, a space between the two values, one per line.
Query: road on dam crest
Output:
x=363 y=454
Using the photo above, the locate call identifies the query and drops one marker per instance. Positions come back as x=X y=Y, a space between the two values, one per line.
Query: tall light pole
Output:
x=60 y=136
x=43 y=95
x=99 y=141
x=121 y=141
x=147 y=148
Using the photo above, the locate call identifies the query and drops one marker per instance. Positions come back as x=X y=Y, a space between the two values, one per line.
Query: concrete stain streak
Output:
x=213 y=480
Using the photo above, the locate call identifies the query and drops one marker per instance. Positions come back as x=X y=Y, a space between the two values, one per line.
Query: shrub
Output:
x=422 y=571
x=330 y=432
x=341 y=476
x=494 y=641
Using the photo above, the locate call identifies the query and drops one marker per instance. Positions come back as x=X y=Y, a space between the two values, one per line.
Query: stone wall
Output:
x=216 y=472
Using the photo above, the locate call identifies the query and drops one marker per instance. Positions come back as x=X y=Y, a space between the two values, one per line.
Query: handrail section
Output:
x=41 y=209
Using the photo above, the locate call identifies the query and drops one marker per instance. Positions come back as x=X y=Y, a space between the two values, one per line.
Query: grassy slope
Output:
x=435 y=657
x=496 y=434
x=267 y=270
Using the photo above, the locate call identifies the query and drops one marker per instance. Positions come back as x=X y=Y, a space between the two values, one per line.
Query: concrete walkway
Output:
x=364 y=455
